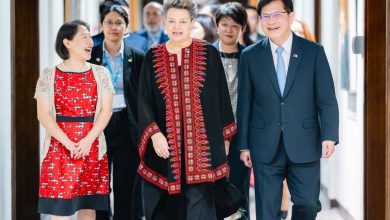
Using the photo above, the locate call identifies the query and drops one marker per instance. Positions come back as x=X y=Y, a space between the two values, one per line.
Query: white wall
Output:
x=5 y=111
x=304 y=10
x=343 y=175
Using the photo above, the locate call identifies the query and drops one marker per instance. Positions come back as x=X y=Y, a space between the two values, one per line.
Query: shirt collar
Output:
x=120 y=53
x=287 y=45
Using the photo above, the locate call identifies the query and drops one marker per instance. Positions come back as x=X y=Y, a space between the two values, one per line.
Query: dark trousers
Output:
x=239 y=175
x=124 y=159
x=303 y=181
x=196 y=202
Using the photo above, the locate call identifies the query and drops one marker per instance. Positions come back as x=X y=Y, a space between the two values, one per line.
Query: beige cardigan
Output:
x=45 y=89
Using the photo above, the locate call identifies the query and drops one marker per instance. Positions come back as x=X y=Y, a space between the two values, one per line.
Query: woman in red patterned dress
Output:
x=74 y=106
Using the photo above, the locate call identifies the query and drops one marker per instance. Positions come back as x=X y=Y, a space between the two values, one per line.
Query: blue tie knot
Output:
x=279 y=50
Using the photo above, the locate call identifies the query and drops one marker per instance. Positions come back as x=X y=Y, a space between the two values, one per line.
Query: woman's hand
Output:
x=70 y=146
x=227 y=147
x=160 y=145
x=83 y=148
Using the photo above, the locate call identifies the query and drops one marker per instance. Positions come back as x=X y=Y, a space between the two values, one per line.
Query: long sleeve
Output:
x=326 y=99
x=146 y=114
x=243 y=103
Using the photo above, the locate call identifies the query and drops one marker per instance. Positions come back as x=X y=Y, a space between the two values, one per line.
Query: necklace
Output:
x=66 y=68
x=230 y=57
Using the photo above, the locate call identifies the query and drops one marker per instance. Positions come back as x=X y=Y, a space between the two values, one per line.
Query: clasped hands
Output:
x=79 y=149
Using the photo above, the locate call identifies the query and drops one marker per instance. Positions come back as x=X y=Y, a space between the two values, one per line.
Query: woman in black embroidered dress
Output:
x=186 y=121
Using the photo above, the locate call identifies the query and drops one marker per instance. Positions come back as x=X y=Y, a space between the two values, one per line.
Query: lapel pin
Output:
x=295 y=55
x=130 y=60
x=98 y=59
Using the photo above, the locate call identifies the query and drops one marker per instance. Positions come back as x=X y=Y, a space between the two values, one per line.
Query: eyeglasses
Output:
x=275 y=15
x=112 y=23
x=225 y=27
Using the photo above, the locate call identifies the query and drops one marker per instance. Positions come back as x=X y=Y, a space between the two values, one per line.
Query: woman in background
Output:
x=204 y=28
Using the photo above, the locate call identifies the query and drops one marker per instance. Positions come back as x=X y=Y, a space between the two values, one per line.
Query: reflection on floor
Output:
x=326 y=213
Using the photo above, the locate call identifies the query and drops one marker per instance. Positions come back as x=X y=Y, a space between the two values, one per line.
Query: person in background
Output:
x=204 y=28
x=231 y=21
x=74 y=102
x=154 y=24
x=132 y=39
x=251 y=35
x=208 y=8
x=286 y=106
x=186 y=121
x=301 y=29
x=124 y=64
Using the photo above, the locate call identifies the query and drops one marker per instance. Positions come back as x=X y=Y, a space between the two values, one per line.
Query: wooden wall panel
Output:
x=376 y=110
x=25 y=130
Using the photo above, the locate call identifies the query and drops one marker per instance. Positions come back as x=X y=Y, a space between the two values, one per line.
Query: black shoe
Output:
x=283 y=214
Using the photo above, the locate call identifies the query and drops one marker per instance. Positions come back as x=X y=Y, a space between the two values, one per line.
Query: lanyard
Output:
x=114 y=76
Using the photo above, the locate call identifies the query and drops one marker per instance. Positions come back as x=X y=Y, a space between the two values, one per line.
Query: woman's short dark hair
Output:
x=115 y=8
x=188 y=5
x=234 y=10
x=288 y=5
x=209 y=28
x=67 y=31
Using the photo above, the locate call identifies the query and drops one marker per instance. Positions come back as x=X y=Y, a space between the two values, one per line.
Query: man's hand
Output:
x=327 y=148
x=160 y=145
x=245 y=156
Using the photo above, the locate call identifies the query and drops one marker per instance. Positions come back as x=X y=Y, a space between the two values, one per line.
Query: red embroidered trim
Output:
x=229 y=131
x=209 y=176
x=148 y=132
x=168 y=81
x=157 y=179
x=181 y=93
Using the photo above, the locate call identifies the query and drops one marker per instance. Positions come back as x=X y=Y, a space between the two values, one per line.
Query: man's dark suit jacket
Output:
x=132 y=62
x=306 y=114
x=134 y=40
x=144 y=33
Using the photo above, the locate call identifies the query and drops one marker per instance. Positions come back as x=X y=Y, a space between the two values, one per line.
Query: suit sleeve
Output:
x=243 y=103
x=134 y=80
x=146 y=114
x=326 y=99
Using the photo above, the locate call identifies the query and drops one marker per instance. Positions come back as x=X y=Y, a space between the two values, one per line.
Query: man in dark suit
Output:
x=287 y=114
x=153 y=23
x=124 y=64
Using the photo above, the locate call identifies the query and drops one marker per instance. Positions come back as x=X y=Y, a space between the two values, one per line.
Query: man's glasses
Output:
x=112 y=23
x=275 y=15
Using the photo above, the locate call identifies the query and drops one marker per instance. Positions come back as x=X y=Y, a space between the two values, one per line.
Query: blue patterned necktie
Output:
x=281 y=70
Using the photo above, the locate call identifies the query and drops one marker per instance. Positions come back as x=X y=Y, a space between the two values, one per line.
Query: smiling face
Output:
x=80 y=46
x=178 y=24
x=277 y=28
x=229 y=31
x=114 y=27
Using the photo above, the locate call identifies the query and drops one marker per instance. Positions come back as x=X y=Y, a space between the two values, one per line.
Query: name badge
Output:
x=118 y=101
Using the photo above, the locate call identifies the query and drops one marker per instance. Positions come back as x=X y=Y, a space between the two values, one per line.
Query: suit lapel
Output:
x=295 y=60
x=268 y=63
x=127 y=70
